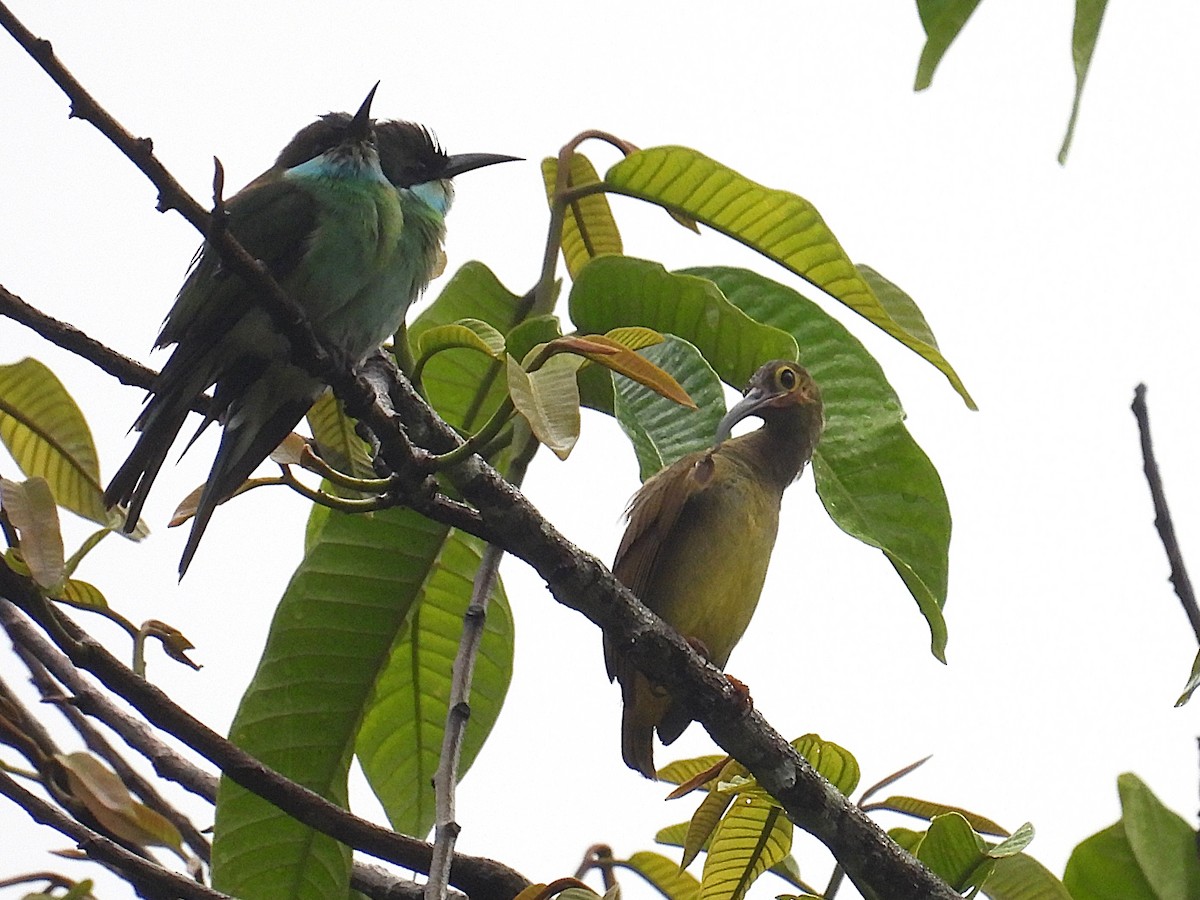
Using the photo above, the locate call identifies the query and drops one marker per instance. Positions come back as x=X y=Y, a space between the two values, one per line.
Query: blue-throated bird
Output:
x=349 y=221
x=699 y=539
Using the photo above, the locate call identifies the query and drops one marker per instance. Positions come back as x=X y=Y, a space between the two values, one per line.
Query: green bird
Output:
x=700 y=537
x=350 y=222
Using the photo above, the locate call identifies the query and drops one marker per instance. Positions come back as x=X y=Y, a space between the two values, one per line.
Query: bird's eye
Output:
x=787 y=378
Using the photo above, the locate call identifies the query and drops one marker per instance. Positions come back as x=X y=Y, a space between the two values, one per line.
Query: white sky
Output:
x=1053 y=291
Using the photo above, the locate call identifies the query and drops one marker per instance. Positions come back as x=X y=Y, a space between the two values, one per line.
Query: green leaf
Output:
x=952 y=850
x=666 y=877
x=942 y=21
x=672 y=835
x=549 y=400
x=400 y=739
x=48 y=437
x=926 y=809
x=466 y=387
x=1193 y=683
x=703 y=823
x=1163 y=844
x=875 y=481
x=1021 y=877
x=331 y=638
x=1103 y=867
x=754 y=836
x=1088 y=14
x=589 y=228
x=336 y=438
x=613 y=291
x=31 y=510
x=782 y=226
x=531 y=332
x=468 y=334
x=661 y=431
x=1013 y=844
x=835 y=763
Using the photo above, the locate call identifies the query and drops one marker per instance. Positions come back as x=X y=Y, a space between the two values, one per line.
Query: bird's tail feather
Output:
x=166 y=409
x=643 y=709
x=247 y=440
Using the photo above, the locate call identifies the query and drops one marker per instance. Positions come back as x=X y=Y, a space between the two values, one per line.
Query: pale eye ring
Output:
x=787 y=378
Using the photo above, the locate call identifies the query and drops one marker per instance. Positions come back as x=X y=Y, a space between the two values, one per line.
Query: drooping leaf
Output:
x=875 y=481
x=400 y=739
x=660 y=431
x=46 y=434
x=1088 y=14
x=589 y=228
x=752 y=837
x=782 y=226
x=31 y=510
x=615 y=291
x=549 y=400
x=942 y=21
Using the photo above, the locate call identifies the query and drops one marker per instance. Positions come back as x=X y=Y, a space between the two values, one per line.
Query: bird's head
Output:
x=409 y=154
x=785 y=397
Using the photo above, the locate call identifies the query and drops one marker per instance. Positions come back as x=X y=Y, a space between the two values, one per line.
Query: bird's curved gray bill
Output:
x=747 y=406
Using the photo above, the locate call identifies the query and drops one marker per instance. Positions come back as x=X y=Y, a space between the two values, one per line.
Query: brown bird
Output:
x=699 y=539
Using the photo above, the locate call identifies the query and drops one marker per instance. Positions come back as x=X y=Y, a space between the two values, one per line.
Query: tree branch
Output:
x=1162 y=514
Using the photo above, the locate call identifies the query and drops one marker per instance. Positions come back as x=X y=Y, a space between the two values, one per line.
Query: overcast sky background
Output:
x=1052 y=290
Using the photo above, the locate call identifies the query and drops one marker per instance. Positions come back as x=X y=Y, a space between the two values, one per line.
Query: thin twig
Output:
x=1162 y=515
x=459 y=710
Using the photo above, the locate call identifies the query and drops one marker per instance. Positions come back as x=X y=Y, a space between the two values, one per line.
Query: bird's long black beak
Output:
x=465 y=162
x=756 y=398
x=360 y=125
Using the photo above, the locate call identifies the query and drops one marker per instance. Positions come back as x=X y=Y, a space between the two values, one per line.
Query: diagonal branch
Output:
x=1162 y=514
